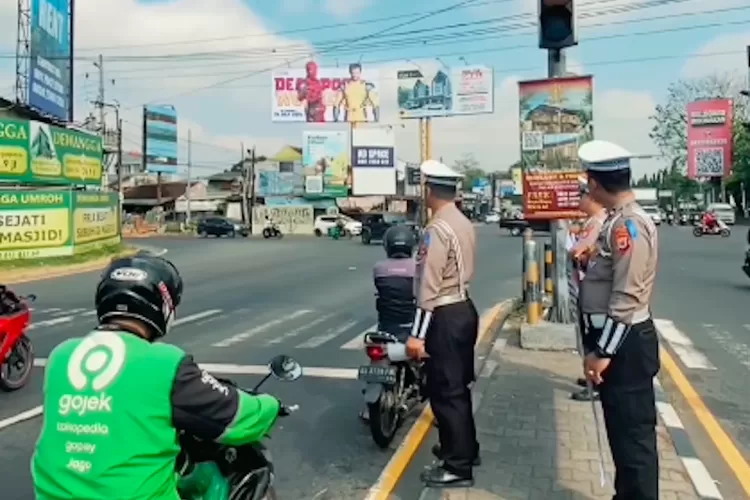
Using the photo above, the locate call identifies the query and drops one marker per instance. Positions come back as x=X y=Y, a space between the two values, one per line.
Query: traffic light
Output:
x=557 y=24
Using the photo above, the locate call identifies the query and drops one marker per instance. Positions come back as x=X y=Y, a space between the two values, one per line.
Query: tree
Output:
x=468 y=165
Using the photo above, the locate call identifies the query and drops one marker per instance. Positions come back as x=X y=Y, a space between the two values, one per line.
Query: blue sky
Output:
x=634 y=49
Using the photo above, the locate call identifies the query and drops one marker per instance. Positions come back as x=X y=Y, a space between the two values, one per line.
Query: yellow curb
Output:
x=26 y=276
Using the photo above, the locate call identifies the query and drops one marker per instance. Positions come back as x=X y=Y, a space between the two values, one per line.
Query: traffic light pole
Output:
x=559 y=228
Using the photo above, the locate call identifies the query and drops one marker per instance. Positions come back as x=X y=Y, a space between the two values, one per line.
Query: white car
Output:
x=324 y=222
x=724 y=212
x=492 y=218
x=653 y=212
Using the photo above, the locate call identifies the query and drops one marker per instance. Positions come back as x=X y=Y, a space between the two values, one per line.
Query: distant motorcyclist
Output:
x=115 y=398
x=710 y=221
x=394 y=281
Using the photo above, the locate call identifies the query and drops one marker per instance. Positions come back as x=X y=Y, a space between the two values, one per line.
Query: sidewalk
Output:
x=536 y=443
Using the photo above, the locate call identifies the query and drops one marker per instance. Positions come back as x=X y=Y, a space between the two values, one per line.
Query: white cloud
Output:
x=346 y=8
x=729 y=57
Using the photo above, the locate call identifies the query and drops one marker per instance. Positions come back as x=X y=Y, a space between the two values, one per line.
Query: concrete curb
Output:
x=696 y=470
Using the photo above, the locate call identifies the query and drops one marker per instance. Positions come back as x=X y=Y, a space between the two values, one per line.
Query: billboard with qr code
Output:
x=709 y=138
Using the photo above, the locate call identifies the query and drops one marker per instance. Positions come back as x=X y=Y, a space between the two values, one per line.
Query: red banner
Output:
x=551 y=195
x=709 y=138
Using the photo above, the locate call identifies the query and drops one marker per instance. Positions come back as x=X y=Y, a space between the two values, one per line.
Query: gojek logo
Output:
x=94 y=365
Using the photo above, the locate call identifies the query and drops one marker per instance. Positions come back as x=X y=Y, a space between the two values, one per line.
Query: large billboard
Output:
x=709 y=137
x=51 y=58
x=325 y=161
x=556 y=116
x=37 y=153
x=440 y=91
x=160 y=138
x=373 y=161
x=326 y=95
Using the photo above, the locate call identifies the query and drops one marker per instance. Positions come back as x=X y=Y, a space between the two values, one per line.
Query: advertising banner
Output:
x=373 y=161
x=517 y=177
x=292 y=219
x=439 y=91
x=39 y=224
x=272 y=183
x=36 y=153
x=551 y=195
x=709 y=137
x=160 y=138
x=556 y=116
x=325 y=161
x=326 y=95
x=51 y=58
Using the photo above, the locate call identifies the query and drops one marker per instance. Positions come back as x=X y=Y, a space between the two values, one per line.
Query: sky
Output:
x=211 y=60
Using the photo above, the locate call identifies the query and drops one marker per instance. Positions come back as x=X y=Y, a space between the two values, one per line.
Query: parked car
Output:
x=325 y=222
x=654 y=213
x=376 y=224
x=492 y=218
x=221 y=226
x=724 y=212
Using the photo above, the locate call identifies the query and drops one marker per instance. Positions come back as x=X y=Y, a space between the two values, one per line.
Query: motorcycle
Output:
x=337 y=232
x=670 y=219
x=394 y=385
x=16 y=349
x=683 y=219
x=721 y=229
x=746 y=266
x=211 y=471
x=272 y=231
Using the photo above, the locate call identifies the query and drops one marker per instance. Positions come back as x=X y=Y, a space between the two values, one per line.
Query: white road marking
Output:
x=702 y=480
x=683 y=346
x=358 y=342
x=319 y=340
x=89 y=313
x=730 y=344
x=196 y=317
x=293 y=333
x=51 y=310
x=241 y=337
x=307 y=371
x=51 y=322
x=669 y=415
x=21 y=417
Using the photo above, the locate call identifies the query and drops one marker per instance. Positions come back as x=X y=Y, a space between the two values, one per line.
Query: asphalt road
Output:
x=245 y=301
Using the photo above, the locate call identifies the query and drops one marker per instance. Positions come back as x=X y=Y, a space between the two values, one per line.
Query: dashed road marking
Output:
x=296 y=331
x=319 y=340
x=51 y=322
x=682 y=346
x=196 y=317
x=241 y=337
x=358 y=343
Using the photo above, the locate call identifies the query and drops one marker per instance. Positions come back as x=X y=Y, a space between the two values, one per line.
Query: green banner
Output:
x=36 y=153
x=39 y=224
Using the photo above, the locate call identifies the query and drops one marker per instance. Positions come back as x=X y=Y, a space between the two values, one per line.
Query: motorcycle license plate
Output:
x=377 y=374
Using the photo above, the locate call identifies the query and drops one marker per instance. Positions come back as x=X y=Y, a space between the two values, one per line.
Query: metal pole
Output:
x=119 y=151
x=100 y=104
x=423 y=149
x=252 y=184
x=533 y=305
x=189 y=175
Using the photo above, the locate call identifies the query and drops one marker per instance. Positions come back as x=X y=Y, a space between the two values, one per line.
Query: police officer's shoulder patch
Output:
x=623 y=238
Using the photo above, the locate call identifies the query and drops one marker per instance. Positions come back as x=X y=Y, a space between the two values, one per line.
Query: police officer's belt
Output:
x=597 y=321
x=447 y=300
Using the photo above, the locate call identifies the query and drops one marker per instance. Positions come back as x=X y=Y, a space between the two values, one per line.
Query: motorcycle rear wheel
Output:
x=697 y=232
x=384 y=418
x=23 y=352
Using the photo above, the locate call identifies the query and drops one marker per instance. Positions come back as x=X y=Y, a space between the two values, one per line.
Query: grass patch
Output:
x=81 y=258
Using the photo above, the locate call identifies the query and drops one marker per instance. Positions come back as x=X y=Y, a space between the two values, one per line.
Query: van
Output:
x=724 y=211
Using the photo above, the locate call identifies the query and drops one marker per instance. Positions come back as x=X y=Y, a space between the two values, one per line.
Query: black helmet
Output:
x=399 y=242
x=142 y=287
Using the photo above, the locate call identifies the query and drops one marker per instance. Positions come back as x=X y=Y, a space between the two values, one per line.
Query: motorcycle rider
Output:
x=9 y=301
x=115 y=399
x=710 y=221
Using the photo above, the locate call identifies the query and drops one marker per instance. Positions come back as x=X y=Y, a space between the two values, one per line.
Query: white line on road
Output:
x=318 y=341
x=196 y=317
x=50 y=310
x=307 y=371
x=241 y=337
x=358 y=342
x=26 y=415
x=51 y=322
x=293 y=333
x=89 y=313
x=702 y=480
x=730 y=344
x=683 y=346
x=669 y=415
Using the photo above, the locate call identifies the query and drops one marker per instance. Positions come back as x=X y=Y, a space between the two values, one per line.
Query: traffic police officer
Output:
x=446 y=325
x=622 y=342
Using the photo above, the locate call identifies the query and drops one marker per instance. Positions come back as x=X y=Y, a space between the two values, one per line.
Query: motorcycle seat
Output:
x=380 y=338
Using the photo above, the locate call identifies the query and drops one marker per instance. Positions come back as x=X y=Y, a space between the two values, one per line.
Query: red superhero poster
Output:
x=709 y=138
x=315 y=94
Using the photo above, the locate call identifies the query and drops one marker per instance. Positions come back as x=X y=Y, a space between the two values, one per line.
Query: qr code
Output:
x=709 y=162
x=314 y=184
x=532 y=141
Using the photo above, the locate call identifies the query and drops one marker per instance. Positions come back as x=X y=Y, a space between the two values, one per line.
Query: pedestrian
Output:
x=615 y=301
x=445 y=327
x=583 y=252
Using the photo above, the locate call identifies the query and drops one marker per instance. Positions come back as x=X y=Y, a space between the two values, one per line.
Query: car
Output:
x=653 y=212
x=325 y=222
x=492 y=218
x=376 y=224
x=221 y=226
x=724 y=212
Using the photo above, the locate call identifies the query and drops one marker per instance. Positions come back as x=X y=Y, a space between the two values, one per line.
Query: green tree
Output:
x=468 y=165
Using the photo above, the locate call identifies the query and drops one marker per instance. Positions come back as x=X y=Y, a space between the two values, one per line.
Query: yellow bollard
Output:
x=549 y=283
x=533 y=299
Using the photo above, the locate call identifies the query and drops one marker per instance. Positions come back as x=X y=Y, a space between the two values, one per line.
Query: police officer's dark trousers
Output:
x=628 y=402
x=450 y=371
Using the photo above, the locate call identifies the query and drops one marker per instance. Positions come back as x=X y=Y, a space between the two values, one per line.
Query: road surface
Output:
x=244 y=301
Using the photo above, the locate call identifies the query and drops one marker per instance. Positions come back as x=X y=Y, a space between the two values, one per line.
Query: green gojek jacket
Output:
x=113 y=404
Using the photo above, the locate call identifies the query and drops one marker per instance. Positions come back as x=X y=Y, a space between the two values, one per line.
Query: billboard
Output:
x=40 y=224
x=373 y=161
x=325 y=161
x=272 y=183
x=160 y=138
x=709 y=137
x=326 y=95
x=51 y=58
x=556 y=116
x=36 y=153
x=466 y=90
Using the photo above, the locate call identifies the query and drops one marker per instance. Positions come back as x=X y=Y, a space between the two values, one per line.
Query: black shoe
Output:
x=436 y=451
x=437 y=477
x=581 y=382
x=585 y=395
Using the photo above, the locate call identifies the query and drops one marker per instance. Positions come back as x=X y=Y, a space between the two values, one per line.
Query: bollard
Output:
x=527 y=236
x=549 y=283
x=533 y=303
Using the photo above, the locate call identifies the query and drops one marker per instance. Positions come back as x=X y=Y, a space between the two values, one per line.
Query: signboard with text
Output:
x=551 y=195
x=709 y=137
x=373 y=156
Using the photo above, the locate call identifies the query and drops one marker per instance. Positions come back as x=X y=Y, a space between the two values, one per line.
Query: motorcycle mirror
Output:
x=31 y=297
x=285 y=368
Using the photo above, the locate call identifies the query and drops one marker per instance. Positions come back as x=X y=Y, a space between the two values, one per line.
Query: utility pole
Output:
x=189 y=175
x=425 y=142
x=252 y=185
x=118 y=165
x=100 y=105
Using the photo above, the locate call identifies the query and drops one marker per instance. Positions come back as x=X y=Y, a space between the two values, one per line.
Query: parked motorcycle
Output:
x=272 y=231
x=394 y=385
x=211 y=471
x=720 y=229
x=16 y=349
